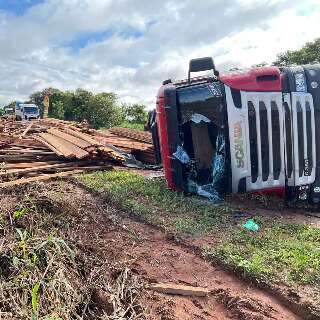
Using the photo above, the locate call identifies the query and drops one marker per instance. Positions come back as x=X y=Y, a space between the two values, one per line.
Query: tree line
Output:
x=101 y=110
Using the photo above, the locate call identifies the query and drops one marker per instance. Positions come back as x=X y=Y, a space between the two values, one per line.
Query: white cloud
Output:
x=34 y=52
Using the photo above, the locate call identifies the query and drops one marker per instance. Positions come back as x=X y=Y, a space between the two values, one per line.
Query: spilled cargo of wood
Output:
x=50 y=148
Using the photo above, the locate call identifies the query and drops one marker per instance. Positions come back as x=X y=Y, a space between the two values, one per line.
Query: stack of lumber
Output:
x=133 y=134
x=138 y=143
x=44 y=149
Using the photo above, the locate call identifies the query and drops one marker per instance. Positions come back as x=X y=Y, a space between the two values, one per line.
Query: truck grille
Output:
x=272 y=139
x=266 y=138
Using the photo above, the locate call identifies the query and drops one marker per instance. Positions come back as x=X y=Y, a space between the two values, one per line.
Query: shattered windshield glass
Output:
x=202 y=151
x=206 y=97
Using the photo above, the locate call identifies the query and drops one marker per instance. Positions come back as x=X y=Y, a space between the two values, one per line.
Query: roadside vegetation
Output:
x=287 y=253
x=46 y=273
x=279 y=252
x=101 y=110
x=151 y=201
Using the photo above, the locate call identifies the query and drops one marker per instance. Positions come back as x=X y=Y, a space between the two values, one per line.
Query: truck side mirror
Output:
x=202 y=64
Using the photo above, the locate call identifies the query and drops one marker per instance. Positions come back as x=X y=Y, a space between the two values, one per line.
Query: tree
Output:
x=100 y=110
x=57 y=110
x=135 y=113
x=103 y=111
x=310 y=53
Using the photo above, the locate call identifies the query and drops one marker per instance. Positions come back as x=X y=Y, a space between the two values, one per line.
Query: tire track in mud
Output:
x=149 y=253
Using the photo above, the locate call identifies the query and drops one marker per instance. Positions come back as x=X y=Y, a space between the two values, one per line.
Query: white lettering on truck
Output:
x=238 y=143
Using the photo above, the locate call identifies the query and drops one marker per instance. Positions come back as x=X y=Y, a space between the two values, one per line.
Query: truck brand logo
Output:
x=306 y=167
x=238 y=145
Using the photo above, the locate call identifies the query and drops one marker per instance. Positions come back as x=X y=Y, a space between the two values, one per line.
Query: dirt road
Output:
x=154 y=257
x=104 y=241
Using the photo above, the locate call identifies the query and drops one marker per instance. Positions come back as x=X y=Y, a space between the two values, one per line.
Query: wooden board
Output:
x=38 y=178
x=74 y=140
x=82 y=136
x=26 y=130
x=41 y=168
x=68 y=149
x=51 y=147
x=179 y=289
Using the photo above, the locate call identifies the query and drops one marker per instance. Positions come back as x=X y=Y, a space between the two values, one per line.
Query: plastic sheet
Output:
x=197 y=118
x=131 y=162
x=251 y=225
x=212 y=190
x=218 y=161
x=181 y=155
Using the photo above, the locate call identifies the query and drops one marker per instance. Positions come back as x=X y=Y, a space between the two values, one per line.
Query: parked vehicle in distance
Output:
x=8 y=112
x=24 y=111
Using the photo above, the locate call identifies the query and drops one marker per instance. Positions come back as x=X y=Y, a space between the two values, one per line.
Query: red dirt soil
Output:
x=149 y=253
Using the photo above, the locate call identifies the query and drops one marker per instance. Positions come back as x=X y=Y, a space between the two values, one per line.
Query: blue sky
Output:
x=18 y=7
x=130 y=46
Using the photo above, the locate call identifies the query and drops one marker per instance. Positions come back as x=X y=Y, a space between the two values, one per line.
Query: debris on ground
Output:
x=251 y=225
x=48 y=148
x=179 y=289
x=89 y=267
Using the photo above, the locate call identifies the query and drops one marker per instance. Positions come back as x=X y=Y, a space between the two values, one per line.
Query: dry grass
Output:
x=43 y=272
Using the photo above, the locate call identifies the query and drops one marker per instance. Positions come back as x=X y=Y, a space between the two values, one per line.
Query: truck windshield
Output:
x=30 y=110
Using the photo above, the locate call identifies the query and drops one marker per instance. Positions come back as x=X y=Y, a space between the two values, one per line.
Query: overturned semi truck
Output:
x=246 y=131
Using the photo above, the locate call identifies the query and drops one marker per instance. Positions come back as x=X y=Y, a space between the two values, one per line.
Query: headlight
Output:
x=303 y=195
x=316 y=189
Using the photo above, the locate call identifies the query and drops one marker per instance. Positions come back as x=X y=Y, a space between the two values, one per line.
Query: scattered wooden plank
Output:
x=51 y=147
x=26 y=152
x=42 y=168
x=26 y=130
x=74 y=140
x=38 y=178
x=68 y=149
x=82 y=136
x=24 y=165
x=178 y=289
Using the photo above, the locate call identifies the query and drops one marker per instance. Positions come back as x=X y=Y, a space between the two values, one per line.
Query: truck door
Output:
x=300 y=128
x=300 y=138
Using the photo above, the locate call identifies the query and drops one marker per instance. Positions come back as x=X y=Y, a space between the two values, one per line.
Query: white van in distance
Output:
x=25 y=111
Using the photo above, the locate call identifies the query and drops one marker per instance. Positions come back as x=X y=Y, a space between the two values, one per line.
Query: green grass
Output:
x=288 y=253
x=129 y=125
x=152 y=200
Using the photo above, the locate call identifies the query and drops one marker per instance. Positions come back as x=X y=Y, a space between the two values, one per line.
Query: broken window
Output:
x=203 y=151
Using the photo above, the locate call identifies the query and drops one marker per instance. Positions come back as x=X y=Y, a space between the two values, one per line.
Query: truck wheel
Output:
x=18 y=118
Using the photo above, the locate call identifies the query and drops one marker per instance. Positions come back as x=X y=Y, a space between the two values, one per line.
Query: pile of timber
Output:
x=137 y=143
x=132 y=134
x=44 y=149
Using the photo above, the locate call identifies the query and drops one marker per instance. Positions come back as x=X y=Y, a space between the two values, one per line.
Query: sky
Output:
x=130 y=46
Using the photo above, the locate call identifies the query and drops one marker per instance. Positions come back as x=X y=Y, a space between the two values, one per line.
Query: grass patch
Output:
x=46 y=273
x=152 y=200
x=286 y=253
x=279 y=252
x=129 y=125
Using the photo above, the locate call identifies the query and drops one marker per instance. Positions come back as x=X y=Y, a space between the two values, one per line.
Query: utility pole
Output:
x=46 y=102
